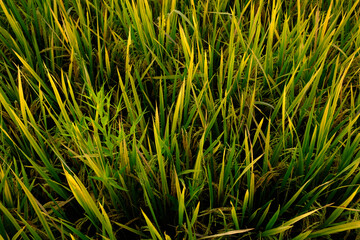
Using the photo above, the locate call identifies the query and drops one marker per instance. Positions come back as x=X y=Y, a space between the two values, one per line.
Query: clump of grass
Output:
x=179 y=119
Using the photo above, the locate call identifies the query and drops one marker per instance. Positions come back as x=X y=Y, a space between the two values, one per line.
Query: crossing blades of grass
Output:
x=35 y=204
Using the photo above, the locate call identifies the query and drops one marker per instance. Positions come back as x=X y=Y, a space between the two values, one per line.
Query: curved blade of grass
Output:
x=335 y=229
x=275 y=231
x=154 y=233
x=228 y=233
x=86 y=201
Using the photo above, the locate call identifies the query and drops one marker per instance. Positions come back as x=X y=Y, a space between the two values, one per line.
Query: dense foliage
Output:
x=185 y=119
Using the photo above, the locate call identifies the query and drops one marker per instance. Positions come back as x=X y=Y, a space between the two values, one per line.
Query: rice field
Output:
x=179 y=119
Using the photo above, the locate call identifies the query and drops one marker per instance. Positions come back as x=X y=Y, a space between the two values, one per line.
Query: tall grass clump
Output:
x=168 y=119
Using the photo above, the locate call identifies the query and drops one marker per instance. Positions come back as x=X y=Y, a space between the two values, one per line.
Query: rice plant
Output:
x=169 y=119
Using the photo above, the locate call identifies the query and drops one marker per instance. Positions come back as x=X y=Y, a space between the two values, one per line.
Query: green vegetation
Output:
x=166 y=119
